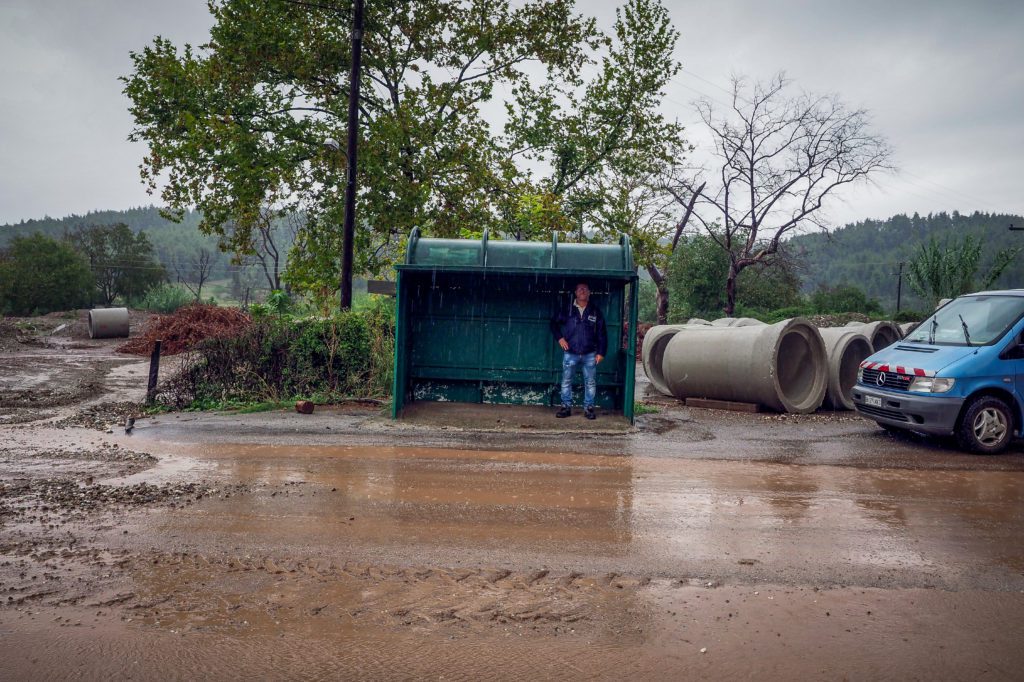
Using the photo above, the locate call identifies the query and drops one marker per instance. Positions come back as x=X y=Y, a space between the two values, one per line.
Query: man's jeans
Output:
x=569 y=363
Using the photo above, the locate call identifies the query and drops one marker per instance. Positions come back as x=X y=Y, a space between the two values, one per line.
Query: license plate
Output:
x=872 y=401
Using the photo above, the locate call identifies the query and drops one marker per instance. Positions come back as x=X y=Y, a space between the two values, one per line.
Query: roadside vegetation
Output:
x=282 y=355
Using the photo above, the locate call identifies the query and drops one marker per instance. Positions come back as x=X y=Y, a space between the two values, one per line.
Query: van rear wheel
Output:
x=986 y=426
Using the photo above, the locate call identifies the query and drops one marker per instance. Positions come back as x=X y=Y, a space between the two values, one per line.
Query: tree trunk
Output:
x=730 y=289
x=662 y=298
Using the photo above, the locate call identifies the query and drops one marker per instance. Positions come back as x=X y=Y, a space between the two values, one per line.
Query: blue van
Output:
x=959 y=373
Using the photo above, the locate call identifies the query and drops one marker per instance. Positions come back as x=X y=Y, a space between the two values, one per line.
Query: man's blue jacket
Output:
x=585 y=333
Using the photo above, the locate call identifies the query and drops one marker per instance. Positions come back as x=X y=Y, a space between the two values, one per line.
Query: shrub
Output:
x=324 y=359
x=844 y=299
x=166 y=298
x=909 y=316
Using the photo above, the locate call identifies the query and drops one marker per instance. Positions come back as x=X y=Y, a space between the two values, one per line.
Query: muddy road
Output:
x=467 y=543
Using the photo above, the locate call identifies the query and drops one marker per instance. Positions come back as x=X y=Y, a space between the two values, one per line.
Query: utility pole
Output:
x=899 y=286
x=348 y=234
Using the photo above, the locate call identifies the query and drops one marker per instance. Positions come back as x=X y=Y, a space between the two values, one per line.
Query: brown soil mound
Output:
x=183 y=329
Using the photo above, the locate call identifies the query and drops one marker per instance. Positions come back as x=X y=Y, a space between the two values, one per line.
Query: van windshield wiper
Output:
x=931 y=331
x=967 y=334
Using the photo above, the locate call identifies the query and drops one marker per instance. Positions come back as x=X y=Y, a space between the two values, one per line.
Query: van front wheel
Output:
x=986 y=426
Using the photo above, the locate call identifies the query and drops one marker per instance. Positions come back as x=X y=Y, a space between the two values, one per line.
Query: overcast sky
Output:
x=943 y=81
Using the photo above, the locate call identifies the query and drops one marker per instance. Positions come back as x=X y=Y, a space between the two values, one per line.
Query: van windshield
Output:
x=970 y=320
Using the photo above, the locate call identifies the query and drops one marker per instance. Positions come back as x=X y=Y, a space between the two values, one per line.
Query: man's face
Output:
x=582 y=294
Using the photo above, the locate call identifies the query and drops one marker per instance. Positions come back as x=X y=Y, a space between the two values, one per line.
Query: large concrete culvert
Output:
x=108 y=323
x=846 y=349
x=655 y=341
x=782 y=366
x=881 y=334
x=737 y=322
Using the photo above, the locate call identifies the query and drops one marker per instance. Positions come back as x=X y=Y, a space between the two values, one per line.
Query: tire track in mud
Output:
x=203 y=592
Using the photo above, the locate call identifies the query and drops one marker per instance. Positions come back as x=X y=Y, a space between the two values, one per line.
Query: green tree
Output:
x=947 y=270
x=602 y=144
x=39 y=275
x=122 y=261
x=844 y=298
x=697 y=273
x=238 y=124
x=768 y=286
x=695 y=277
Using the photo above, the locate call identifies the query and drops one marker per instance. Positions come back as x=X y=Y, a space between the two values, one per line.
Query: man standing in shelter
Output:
x=581 y=333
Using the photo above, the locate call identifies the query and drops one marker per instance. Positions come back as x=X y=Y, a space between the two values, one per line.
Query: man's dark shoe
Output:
x=563 y=411
x=589 y=413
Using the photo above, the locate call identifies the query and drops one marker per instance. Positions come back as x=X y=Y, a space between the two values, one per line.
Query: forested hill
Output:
x=146 y=218
x=867 y=254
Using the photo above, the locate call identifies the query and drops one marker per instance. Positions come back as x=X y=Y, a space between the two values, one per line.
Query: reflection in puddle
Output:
x=654 y=513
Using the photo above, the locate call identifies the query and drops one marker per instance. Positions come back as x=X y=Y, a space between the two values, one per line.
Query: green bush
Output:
x=166 y=298
x=844 y=299
x=280 y=357
x=909 y=316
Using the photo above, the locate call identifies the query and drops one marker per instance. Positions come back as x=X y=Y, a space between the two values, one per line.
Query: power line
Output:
x=963 y=195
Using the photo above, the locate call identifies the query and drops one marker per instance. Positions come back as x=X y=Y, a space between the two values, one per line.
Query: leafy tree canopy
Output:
x=238 y=124
x=697 y=274
x=39 y=275
x=947 y=270
x=121 y=260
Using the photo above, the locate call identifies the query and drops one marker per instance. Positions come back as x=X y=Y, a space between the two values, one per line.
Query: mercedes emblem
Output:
x=880 y=379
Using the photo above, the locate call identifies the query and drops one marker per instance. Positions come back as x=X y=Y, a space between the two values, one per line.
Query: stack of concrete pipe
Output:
x=790 y=366
x=781 y=366
x=882 y=334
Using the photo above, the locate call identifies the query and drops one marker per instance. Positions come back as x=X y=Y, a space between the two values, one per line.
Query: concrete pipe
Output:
x=908 y=327
x=108 y=323
x=882 y=334
x=746 y=322
x=655 y=341
x=737 y=322
x=697 y=320
x=846 y=348
x=782 y=366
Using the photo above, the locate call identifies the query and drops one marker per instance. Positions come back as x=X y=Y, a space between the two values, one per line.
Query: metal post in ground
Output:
x=899 y=287
x=353 y=135
x=154 y=372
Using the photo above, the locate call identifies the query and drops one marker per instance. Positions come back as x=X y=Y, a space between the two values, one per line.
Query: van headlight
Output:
x=931 y=385
x=860 y=375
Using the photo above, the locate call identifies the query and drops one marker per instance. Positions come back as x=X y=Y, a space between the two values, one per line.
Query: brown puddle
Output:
x=656 y=516
x=397 y=563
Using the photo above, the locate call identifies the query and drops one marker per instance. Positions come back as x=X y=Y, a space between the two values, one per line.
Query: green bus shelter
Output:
x=473 y=320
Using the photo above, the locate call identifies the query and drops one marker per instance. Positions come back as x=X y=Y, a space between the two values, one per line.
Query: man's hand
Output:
x=563 y=343
x=599 y=358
